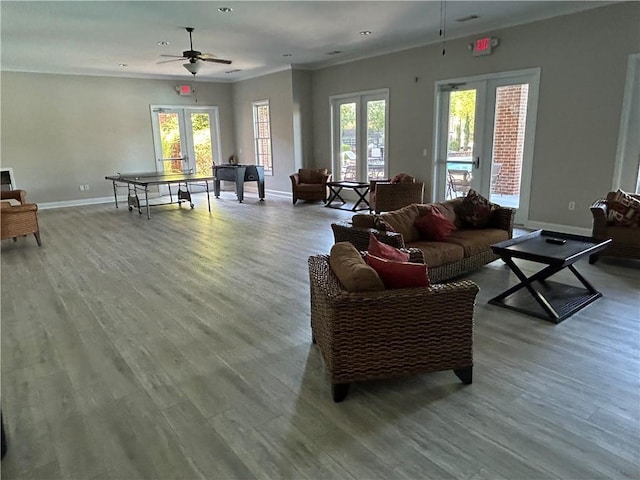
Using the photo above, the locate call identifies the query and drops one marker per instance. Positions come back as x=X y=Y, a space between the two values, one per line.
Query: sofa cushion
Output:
x=399 y=274
x=475 y=211
x=623 y=209
x=402 y=221
x=439 y=253
x=311 y=175
x=382 y=250
x=476 y=241
x=351 y=269
x=433 y=225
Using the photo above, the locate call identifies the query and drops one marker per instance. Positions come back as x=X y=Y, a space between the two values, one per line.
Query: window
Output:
x=262 y=135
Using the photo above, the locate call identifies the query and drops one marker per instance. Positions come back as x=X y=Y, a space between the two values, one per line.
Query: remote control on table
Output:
x=556 y=241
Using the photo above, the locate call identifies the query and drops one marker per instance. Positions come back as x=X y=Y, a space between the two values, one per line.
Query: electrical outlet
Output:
x=572 y=205
x=82 y=188
x=86 y=187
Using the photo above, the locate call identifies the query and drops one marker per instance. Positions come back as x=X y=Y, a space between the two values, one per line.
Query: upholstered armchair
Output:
x=625 y=239
x=18 y=220
x=400 y=191
x=310 y=184
x=389 y=333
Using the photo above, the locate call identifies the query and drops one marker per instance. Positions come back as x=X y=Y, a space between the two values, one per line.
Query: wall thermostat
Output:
x=184 y=90
x=483 y=46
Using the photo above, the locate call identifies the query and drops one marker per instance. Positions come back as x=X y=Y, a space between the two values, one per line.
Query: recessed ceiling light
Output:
x=225 y=10
x=365 y=32
x=123 y=65
x=334 y=52
x=162 y=42
x=286 y=54
x=467 y=18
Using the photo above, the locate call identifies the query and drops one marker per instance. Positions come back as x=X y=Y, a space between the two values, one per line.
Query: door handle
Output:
x=476 y=162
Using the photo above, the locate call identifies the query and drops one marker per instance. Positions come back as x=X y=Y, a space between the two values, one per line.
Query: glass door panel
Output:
x=348 y=152
x=376 y=122
x=461 y=131
x=509 y=128
x=171 y=160
x=202 y=142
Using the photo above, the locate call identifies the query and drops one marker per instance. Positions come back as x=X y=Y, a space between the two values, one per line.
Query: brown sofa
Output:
x=465 y=249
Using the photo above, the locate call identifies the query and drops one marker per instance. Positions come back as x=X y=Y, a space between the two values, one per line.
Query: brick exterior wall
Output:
x=508 y=139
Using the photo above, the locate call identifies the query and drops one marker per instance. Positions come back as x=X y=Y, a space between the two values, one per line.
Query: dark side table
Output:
x=535 y=295
x=361 y=189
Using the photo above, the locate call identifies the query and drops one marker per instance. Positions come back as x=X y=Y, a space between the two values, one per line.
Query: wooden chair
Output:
x=310 y=184
x=383 y=334
x=18 y=220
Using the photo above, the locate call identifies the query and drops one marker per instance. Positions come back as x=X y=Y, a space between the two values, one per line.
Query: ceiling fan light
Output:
x=192 y=67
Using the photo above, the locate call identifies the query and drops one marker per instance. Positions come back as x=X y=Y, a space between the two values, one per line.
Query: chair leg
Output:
x=15 y=239
x=464 y=374
x=339 y=391
x=294 y=200
x=593 y=259
x=37 y=235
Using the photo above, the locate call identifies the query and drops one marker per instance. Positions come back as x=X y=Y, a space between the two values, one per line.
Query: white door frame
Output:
x=485 y=139
x=626 y=174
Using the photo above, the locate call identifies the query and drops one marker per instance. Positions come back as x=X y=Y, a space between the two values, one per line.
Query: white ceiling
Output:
x=94 y=37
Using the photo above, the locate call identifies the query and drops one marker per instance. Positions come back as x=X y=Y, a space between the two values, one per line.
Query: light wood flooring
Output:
x=179 y=348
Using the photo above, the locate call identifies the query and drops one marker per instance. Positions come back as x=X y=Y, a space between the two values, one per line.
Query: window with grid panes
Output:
x=262 y=135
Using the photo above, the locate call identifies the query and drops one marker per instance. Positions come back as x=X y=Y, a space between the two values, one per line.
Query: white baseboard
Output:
x=558 y=228
x=80 y=202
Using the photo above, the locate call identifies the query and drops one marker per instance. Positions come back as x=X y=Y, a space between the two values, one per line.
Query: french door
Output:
x=359 y=136
x=185 y=139
x=484 y=138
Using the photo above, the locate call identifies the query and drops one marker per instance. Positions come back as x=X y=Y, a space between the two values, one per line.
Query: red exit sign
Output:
x=483 y=46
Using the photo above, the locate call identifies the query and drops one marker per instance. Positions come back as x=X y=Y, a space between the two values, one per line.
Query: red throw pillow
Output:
x=434 y=226
x=379 y=249
x=399 y=274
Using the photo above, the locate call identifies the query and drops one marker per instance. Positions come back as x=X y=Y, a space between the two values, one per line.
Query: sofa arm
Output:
x=503 y=218
x=359 y=237
x=19 y=195
x=599 y=210
x=17 y=209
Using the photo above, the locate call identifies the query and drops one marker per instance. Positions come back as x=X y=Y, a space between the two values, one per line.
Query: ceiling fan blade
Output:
x=215 y=60
x=173 y=56
x=178 y=59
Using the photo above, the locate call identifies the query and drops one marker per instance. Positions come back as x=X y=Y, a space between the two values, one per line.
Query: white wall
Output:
x=60 y=131
x=583 y=60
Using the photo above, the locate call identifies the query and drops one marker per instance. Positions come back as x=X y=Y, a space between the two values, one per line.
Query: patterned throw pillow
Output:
x=434 y=226
x=475 y=211
x=624 y=210
x=379 y=249
x=399 y=274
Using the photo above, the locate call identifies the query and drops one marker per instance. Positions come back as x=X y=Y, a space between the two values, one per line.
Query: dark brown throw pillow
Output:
x=475 y=211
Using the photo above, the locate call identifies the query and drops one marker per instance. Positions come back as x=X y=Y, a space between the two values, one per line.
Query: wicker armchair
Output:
x=375 y=335
x=385 y=196
x=18 y=220
x=310 y=184
x=625 y=240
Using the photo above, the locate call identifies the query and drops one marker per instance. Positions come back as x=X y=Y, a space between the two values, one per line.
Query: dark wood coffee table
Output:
x=535 y=295
x=361 y=188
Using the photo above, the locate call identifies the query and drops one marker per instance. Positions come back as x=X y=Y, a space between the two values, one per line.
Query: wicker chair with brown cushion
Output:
x=393 y=194
x=310 y=184
x=382 y=334
x=625 y=238
x=18 y=220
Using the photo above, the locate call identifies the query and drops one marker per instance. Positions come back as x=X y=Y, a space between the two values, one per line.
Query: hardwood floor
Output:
x=179 y=348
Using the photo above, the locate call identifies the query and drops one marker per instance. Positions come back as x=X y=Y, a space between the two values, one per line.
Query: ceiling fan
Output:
x=193 y=56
